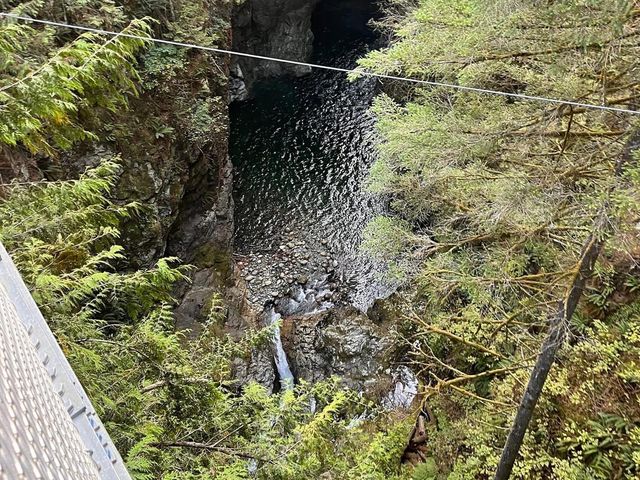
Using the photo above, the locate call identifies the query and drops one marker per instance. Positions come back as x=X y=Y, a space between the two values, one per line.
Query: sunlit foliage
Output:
x=492 y=200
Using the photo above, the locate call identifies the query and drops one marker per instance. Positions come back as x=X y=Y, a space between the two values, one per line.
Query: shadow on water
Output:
x=302 y=149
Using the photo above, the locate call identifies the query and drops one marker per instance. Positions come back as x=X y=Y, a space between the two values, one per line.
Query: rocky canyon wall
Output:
x=273 y=28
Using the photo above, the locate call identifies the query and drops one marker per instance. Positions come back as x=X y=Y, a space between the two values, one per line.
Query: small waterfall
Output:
x=307 y=300
x=282 y=364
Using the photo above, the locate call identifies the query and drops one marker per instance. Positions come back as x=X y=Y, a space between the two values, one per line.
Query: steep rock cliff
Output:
x=172 y=144
x=273 y=28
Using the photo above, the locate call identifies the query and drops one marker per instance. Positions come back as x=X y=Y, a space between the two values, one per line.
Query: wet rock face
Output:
x=340 y=341
x=274 y=28
x=237 y=87
x=345 y=342
x=259 y=368
x=321 y=336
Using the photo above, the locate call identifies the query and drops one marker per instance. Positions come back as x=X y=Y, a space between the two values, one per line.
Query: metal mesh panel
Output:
x=37 y=437
x=41 y=397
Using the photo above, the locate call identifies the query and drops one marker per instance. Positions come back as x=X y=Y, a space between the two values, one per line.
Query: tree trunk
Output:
x=558 y=327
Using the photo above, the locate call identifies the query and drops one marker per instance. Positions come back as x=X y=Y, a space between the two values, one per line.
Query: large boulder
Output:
x=341 y=342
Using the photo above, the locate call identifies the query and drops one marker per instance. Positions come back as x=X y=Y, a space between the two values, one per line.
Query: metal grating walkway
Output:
x=48 y=427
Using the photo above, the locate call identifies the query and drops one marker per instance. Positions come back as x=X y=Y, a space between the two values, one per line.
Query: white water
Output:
x=307 y=300
x=404 y=391
x=282 y=364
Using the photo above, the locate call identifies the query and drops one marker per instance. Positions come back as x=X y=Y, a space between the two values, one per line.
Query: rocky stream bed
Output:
x=301 y=147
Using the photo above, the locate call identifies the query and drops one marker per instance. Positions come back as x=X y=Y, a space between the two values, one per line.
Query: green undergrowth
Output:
x=171 y=406
x=491 y=201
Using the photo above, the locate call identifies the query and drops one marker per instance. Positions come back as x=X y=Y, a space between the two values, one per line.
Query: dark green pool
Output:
x=302 y=149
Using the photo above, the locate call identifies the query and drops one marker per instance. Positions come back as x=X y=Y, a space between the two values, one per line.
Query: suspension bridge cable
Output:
x=520 y=96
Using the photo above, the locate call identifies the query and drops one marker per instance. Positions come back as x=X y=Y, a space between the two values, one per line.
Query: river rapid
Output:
x=301 y=150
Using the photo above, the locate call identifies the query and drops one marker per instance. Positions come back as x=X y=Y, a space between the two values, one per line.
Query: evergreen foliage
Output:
x=171 y=405
x=45 y=90
x=492 y=199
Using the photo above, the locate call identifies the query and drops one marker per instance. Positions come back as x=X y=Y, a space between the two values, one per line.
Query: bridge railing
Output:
x=48 y=427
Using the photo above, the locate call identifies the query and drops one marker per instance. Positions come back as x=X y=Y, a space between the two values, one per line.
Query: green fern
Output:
x=42 y=103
